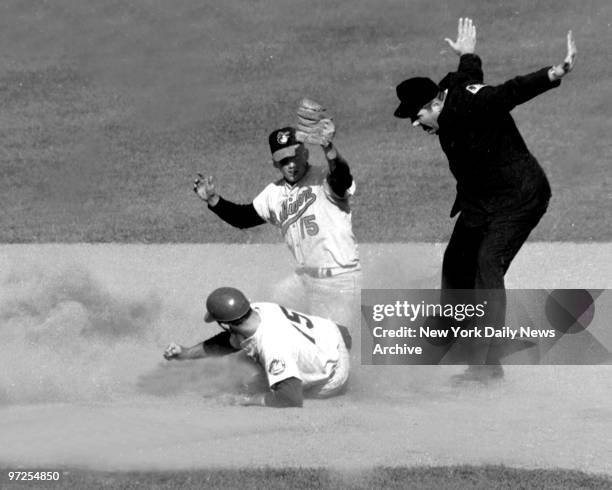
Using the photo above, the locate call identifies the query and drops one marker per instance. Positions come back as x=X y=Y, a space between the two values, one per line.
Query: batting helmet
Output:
x=226 y=305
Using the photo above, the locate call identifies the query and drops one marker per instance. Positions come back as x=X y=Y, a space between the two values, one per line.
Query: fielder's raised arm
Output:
x=316 y=126
x=339 y=179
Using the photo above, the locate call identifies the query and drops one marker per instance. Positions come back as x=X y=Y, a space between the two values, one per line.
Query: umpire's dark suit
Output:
x=502 y=192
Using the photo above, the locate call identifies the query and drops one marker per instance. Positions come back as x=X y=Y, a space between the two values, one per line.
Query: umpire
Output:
x=502 y=192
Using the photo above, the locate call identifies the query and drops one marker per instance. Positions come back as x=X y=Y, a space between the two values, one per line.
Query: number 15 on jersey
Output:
x=308 y=226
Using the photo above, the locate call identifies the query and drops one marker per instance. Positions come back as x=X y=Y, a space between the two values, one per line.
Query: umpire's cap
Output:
x=283 y=143
x=413 y=94
x=226 y=305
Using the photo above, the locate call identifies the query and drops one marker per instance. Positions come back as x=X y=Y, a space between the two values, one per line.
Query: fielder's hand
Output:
x=172 y=351
x=557 y=72
x=204 y=187
x=466 y=37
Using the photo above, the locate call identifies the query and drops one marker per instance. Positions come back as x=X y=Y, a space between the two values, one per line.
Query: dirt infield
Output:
x=82 y=383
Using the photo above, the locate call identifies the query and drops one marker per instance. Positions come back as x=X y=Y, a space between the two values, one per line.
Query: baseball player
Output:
x=300 y=354
x=310 y=205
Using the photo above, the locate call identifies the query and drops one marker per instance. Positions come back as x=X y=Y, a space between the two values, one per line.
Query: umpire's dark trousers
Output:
x=478 y=256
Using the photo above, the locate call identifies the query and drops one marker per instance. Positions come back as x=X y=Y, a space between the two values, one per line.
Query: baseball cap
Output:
x=283 y=143
x=413 y=94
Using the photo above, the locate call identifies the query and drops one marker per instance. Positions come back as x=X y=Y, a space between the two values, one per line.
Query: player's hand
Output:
x=466 y=37
x=173 y=351
x=559 y=71
x=204 y=187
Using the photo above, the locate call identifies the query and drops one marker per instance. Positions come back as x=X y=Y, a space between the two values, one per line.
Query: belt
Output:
x=321 y=272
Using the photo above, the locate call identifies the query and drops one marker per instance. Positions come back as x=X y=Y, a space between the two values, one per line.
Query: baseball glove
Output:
x=314 y=124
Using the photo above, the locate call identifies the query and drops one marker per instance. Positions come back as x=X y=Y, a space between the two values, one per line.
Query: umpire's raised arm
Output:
x=470 y=64
x=520 y=89
x=466 y=37
x=559 y=71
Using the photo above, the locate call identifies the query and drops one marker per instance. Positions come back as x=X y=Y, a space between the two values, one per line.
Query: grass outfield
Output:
x=110 y=108
x=443 y=477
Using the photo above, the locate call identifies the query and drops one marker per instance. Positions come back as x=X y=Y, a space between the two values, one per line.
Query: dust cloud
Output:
x=67 y=338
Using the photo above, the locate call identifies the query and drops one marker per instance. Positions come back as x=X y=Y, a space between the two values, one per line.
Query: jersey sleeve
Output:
x=335 y=198
x=220 y=345
x=339 y=179
x=285 y=393
x=279 y=361
x=238 y=215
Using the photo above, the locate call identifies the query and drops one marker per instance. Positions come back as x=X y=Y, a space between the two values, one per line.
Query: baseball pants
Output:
x=478 y=257
x=336 y=384
x=337 y=298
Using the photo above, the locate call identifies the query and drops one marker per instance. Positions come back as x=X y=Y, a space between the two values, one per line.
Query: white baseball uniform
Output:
x=315 y=223
x=289 y=344
x=317 y=228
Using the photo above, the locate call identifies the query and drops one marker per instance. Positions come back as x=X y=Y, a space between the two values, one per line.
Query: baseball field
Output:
x=108 y=111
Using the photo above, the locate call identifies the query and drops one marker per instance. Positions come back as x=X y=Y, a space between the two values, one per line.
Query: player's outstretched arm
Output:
x=557 y=72
x=218 y=345
x=466 y=37
x=180 y=353
x=238 y=215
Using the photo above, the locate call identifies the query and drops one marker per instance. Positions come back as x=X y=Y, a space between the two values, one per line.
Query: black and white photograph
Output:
x=344 y=244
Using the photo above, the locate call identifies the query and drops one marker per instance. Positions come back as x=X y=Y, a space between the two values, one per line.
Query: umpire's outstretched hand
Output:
x=466 y=37
x=557 y=72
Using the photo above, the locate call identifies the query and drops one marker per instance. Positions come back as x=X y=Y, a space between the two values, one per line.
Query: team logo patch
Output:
x=291 y=211
x=277 y=366
x=282 y=137
x=474 y=88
